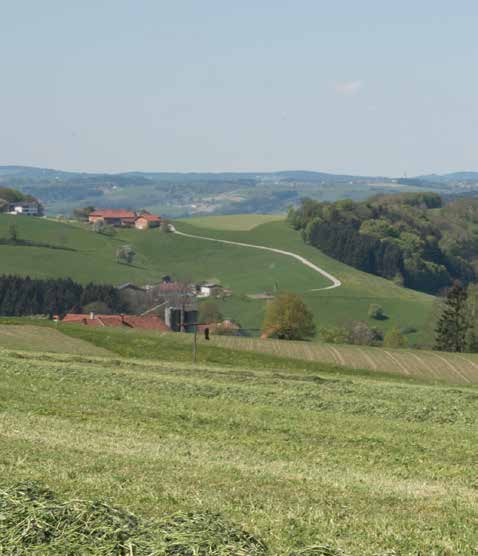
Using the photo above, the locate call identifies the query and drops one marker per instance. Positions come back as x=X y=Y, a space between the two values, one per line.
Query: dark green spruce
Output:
x=454 y=323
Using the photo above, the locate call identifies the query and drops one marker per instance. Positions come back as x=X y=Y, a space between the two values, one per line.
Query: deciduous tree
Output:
x=288 y=318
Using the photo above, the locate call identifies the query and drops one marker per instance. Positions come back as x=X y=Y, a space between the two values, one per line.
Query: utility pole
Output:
x=195 y=343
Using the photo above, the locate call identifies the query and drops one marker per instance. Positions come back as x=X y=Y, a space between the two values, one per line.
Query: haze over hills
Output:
x=182 y=194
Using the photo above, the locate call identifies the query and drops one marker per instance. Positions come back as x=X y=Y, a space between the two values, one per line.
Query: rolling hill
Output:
x=91 y=257
x=182 y=194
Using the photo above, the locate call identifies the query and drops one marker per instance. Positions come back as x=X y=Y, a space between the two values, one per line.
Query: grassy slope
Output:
x=350 y=301
x=364 y=465
x=244 y=270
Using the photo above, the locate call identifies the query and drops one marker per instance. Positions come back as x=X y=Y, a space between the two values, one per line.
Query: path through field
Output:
x=335 y=281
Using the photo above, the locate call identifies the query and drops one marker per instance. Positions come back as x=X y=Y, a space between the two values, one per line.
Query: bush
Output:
x=376 y=312
x=394 y=339
x=334 y=335
x=360 y=333
x=125 y=254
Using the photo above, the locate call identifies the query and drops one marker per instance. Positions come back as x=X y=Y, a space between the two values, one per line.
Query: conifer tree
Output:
x=454 y=322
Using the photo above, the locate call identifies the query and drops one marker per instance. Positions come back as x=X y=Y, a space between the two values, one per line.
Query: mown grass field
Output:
x=430 y=366
x=244 y=270
x=298 y=455
x=420 y=364
x=236 y=222
x=42 y=338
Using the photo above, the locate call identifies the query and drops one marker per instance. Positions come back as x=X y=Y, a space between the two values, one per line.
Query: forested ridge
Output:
x=410 y=238
x=23 y=296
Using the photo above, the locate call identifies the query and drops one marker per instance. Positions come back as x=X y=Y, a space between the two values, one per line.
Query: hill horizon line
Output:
x=290 y=173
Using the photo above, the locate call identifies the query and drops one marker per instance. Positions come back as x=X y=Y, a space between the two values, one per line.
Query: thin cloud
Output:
x=349 y=88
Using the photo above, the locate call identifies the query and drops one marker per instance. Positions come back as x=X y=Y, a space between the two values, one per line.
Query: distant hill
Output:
x=176 y=194
x=453 y=178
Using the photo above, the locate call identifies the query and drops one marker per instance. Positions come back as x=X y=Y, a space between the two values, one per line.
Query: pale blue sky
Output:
x=372 y=87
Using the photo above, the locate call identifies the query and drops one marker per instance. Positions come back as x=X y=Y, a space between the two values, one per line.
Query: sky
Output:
x=369 y=87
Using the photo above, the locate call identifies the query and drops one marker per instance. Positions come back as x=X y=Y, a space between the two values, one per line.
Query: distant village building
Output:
x=26 y=208
x=210 y=290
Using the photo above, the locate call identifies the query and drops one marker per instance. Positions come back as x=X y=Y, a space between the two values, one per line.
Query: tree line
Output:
x=398 y=237
x=25 y=296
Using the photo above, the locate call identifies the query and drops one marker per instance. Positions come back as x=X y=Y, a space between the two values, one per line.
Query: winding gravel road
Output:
x=335 y=281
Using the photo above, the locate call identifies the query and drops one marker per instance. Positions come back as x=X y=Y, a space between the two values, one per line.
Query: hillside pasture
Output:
x=244 y=270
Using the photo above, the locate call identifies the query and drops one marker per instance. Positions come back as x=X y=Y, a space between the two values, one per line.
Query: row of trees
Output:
x=288 y=318
x=24 y=296
x=397 y=237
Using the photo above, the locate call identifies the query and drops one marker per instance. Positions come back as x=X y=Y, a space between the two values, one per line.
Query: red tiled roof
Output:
x=113 y=213
x=74 y=318
x=149 y=217
x=149 y=322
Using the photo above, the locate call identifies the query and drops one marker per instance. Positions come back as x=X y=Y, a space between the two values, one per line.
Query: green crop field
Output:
x=237 y=222
x=246 y=271
x=297 y=453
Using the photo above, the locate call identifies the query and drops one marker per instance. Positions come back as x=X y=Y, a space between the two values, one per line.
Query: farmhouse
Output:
x=125 y=218
x=113 y=217
x=26 y=208
x=146 y=220
x=149 y=322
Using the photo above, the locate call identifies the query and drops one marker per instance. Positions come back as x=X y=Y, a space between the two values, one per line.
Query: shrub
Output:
x=376 y=312
x=394 y=339
x=360 y=333
x=334 y=335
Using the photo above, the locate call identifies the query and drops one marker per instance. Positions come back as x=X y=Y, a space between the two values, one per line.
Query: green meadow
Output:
x=246 y=271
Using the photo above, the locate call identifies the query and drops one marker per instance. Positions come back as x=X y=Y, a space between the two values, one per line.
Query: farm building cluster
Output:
x=167 y=306
x=121 y=218
x=26 y=208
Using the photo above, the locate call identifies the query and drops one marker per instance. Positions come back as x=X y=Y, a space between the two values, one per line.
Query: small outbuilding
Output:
x=146 y=220
x=210 y=290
